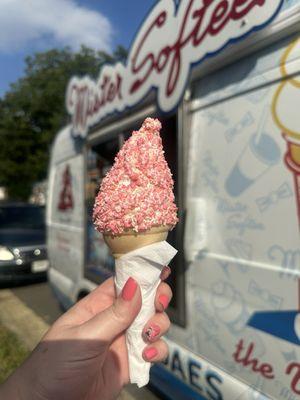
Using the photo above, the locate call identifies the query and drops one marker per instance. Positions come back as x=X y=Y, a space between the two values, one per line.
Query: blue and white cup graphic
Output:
x=230 y=307
x=261 y=153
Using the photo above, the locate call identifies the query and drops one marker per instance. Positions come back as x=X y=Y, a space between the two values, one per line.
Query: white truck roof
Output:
x=65 y=145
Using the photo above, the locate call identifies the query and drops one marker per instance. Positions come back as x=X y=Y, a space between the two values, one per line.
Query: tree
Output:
x=33 y=110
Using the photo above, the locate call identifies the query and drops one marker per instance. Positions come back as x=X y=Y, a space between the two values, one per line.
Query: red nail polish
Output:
x=150 y=353
x=129 y=289
x=152 y=332
x=163 y=300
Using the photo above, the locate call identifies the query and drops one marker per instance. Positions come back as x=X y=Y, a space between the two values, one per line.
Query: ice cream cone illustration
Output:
x=135 y=210
x=285 y=109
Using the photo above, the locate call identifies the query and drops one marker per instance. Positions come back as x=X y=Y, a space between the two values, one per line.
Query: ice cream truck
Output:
x=223 y=77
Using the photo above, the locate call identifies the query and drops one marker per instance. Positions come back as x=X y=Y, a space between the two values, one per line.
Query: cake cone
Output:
x=131 y=240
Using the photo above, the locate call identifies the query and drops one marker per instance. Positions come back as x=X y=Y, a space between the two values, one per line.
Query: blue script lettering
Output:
x=224 y=206
x=242 y=223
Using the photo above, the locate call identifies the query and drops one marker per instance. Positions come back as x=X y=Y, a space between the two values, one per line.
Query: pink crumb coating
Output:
x=137 y=193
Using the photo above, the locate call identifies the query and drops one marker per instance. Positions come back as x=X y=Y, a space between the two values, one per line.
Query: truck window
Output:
x=99 y=264
x=169 y=134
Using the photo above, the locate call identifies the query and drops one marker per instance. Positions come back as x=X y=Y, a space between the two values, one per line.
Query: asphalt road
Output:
x=40 y=299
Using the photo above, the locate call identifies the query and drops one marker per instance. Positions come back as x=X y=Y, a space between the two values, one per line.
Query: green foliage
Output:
x=33 y=110
x=12 y=353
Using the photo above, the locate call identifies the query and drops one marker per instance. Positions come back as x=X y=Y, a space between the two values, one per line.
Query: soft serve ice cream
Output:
x=137 y=193
x=134 y=210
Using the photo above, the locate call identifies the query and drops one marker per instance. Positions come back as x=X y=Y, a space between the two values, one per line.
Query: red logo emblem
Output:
x=65 y=201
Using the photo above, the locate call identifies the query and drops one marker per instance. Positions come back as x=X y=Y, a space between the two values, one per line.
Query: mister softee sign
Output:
x=170 y=41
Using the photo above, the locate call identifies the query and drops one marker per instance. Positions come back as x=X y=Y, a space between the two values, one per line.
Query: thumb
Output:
x=108 y=324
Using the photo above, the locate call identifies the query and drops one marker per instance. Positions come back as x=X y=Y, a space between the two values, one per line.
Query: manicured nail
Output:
x=129 y=289
x=165 y=273
x=150 y=353
x=152 y=332
x=163 y=300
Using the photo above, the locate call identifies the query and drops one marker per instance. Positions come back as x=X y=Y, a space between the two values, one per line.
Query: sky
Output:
x=38 y=25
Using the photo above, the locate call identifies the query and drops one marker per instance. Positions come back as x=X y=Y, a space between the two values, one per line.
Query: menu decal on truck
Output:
x=172 y=40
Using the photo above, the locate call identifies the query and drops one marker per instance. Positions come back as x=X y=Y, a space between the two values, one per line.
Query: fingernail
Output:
x=150 y=353
x=129 y=289
x=163 y=300
x=165 y=273
x=152 y=332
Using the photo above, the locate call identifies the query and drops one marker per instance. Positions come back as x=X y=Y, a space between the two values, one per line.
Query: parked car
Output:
x=23 y=253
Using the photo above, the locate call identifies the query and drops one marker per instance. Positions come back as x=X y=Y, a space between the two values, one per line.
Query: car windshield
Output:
x=22 y=217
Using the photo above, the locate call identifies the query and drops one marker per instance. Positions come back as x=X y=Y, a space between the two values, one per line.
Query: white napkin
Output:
x=144 y=265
